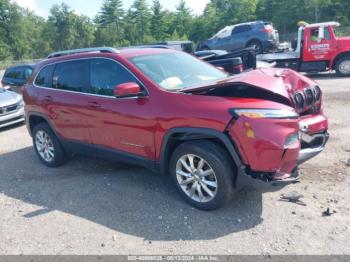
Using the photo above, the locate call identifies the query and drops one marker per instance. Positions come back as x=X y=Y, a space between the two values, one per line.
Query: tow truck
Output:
x=318 y=49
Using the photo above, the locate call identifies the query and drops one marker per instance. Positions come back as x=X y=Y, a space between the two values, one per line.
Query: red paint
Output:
x=326 y=49
x=138 y=126
x=127 y=89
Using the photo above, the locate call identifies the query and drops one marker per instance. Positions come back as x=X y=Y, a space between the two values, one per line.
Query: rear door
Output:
x=122 y=124
x=63 y=95
x=240 y=36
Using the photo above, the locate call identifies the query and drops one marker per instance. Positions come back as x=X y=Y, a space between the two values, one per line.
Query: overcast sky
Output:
x=91 y=7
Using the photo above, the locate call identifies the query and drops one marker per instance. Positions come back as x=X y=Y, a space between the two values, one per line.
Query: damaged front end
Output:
x=274 y=140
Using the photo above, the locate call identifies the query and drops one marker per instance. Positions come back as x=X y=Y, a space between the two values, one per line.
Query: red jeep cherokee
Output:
x=171 y=112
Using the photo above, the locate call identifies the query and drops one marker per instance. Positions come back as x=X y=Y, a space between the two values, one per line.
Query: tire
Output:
x=257 y=46
x=342 y=66
x=214 y=158
x=51 y=153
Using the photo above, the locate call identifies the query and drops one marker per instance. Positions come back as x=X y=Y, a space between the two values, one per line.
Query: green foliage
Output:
x=158 y=24
x=24 y=35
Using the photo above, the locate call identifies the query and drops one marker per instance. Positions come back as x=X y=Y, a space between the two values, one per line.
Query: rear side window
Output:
x=241 y=29
x=106 y=74
x=71 y=76
x=44 y=78
x=16 y=73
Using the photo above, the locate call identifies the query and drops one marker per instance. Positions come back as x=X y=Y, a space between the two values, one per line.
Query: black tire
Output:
x=218 y=160
x=257 y=46
x=340 y=68
x=59 y=156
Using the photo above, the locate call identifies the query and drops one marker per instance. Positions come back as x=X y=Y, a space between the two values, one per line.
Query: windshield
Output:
x=176 y=71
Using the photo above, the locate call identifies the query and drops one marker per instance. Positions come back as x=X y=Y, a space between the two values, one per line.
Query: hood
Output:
x=279 y=85
x=284 y=82
x=344 y=41
x=9 y=98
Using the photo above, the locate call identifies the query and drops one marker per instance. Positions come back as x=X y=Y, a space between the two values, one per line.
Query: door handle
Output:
x=93 y=104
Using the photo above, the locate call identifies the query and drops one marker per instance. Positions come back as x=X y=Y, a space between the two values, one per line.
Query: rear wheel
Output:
x=257 y=46
x=342 y=66
x=47 y=146
x=203 y=174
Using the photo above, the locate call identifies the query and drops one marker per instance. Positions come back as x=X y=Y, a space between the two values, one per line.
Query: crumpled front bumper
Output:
x=264 y=148
x=316 y=144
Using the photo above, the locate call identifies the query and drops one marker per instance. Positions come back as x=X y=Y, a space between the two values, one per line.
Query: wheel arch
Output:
x=339 y=56
x=254 y=39
x=35 y=118
x=176 y=136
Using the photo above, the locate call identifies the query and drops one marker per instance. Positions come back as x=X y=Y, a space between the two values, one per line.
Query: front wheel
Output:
x=203 y=174
x=342 y=66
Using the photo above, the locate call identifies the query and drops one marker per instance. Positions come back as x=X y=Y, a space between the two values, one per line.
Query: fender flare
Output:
x=192 y=133
x=339 y=56
x=38 y=114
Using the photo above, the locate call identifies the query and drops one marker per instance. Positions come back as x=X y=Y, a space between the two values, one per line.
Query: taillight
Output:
x=267 y=30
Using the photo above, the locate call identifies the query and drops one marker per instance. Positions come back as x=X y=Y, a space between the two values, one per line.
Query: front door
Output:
x=316 y=48
x=125 y=125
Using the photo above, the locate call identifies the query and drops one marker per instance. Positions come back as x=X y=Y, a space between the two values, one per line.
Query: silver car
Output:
x=11 y=108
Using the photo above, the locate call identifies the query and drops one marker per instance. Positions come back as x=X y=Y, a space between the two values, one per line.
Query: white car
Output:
x=11 y=108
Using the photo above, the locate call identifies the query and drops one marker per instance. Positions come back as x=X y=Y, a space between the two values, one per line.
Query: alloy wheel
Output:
x=44 y=146
x=196 y=178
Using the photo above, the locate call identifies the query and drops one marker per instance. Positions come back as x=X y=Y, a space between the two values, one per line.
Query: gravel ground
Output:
x=92 y=206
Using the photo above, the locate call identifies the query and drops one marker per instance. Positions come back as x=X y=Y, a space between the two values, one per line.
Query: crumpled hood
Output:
x=9 y=98
x=284 y=82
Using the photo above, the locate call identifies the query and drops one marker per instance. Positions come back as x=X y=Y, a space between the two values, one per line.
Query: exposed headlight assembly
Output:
x=264 y=113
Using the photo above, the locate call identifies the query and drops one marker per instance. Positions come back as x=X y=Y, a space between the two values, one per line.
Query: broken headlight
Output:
x=264 y=113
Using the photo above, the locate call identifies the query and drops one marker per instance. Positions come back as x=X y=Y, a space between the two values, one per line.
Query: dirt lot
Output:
x=94 y=206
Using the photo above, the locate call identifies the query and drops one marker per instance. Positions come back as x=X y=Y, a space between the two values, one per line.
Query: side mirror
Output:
x=128 y=90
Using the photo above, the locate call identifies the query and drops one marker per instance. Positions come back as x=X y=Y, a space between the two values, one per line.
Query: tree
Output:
x=141 y=18
x=110 y=23
x=67 y=30
x=183 y=19
x=158 y=25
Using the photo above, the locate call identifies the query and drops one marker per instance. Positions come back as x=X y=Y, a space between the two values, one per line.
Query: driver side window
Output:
x=105 y=75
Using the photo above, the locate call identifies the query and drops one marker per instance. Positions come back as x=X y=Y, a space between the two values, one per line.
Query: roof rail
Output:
x=84 y=50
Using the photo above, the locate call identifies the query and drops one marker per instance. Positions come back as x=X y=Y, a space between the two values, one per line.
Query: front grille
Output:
x=299 y=101
x=307 y=100
x=309 y=97
x=8 y=109
x=318 y=93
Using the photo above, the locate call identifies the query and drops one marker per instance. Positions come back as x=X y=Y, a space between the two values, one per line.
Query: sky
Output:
x=91 y=7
